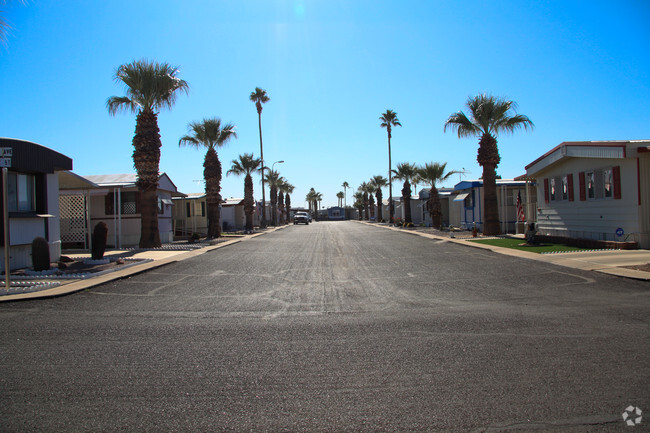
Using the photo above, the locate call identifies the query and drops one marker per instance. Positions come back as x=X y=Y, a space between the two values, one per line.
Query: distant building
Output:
x=335 y=213
x=594 y=190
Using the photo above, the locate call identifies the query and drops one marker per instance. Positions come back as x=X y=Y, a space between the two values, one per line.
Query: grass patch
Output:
x=519 y=244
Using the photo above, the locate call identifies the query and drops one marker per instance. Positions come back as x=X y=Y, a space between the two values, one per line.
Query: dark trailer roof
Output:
x=31 y=157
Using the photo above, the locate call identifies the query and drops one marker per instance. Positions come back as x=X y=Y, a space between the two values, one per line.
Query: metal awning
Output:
x=461 y=197
x=167 y=201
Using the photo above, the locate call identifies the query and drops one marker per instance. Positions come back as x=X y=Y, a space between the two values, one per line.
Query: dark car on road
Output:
x=301 y=217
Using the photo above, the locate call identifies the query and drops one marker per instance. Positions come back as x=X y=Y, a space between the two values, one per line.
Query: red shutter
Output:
x=616 y=176
x=547 y=195
x=108 y=204
x=569 y=180
x=582 y=186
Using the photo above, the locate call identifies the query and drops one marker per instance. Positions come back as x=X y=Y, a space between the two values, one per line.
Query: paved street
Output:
x=335 y=326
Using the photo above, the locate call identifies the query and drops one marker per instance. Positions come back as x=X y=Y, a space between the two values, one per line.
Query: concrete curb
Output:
x=566 y=259
x=77 y=286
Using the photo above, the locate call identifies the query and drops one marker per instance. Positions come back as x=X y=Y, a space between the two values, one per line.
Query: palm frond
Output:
x=150 y=84
x=115 y=104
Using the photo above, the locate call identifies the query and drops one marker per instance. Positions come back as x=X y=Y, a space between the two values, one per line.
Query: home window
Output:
x=128 y=203
x=469 y=200
x=21 y=192
x=565 y=188
x=161 y=206
x=553 y=191
x=188 y=210
x=607 y=182
x=202 y=208
x=591 y=187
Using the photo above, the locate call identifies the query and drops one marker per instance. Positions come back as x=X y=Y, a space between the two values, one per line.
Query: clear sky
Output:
x=579 y=69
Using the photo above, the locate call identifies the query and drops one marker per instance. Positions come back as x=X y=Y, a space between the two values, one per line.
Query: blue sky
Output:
x=580 y=70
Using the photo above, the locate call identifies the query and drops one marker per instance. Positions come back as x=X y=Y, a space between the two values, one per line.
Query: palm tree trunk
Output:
x=287 y=205
x=259 y=117
x=249 y=203
x=406 y=201
x=488 y=157
x=380 y=198
x=281 y=207
x=212 y=175
x=365 y=206
x=391 y=208
x=146 y=159
x=274 y=205
x=435 y=208
x=491 y=207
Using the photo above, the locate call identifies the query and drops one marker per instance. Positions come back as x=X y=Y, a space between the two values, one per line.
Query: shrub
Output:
x=100 y=236
x=40 y=254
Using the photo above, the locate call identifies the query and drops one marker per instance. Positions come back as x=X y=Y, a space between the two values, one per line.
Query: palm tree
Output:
x=340 y=195
x=433 y=173
x=259 y=97
x=309 y=198
x=150 y=86
x=489 y=116
x=287 y=188
x=371 y=198
x=406 y=172
x=345 y=187
x=274 y=180
x=246 y=165
x=358 y=202
x=379 y=182
x=210 y=134
x=388 y=120
x=363 y=188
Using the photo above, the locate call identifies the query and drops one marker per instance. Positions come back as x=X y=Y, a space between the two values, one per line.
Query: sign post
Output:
x=5 y=161
x=5 y=218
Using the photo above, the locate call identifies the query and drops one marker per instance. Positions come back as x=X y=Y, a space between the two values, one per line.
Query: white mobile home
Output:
x=596 y=190
x=115 y=200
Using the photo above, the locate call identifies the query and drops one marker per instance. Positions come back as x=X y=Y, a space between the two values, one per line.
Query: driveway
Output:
x=332 y=327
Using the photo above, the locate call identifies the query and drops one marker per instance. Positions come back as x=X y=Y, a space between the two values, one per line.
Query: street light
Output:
x=276 y=162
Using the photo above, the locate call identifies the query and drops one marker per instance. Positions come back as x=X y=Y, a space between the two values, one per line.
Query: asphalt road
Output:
x=332 y=327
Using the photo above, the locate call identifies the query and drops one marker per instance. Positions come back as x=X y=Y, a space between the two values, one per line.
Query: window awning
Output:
x=167 y=201
x=461 y=197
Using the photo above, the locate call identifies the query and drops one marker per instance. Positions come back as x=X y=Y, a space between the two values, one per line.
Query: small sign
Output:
x=5 y=162
x=6 y=152
x=620 y=232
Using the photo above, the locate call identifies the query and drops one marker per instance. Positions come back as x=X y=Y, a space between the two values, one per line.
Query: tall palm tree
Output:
x=247 y=164
x=340 y=195
x=273 y=178
x=210 y=134
x=379 y=182
x=150 y=86
x=259 y=97
x=345 y=187
x=488 y=117
x=406 y=172
x=388 y=120
x=287 y=188
x=433 y=173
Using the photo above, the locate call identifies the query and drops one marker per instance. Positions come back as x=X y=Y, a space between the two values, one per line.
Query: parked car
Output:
x=301 y=217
